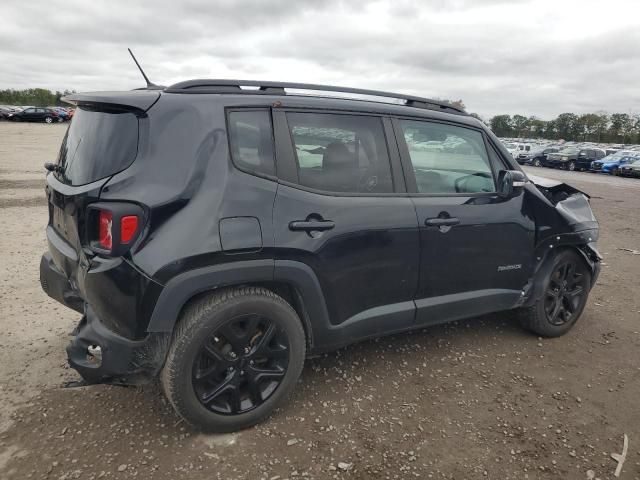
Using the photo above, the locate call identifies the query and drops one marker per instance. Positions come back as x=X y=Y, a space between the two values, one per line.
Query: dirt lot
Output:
x=475 y=399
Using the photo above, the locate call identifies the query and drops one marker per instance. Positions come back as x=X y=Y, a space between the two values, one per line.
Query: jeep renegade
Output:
x=215 y=233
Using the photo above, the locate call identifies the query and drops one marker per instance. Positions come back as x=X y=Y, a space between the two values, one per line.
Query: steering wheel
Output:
x=457 y=183
x=367 y=182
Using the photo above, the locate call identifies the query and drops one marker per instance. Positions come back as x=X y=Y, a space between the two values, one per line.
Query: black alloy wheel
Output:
x=240 y=365
x=564 y=295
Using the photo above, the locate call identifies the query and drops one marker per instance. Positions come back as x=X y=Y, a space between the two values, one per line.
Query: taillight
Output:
x=114 y=226
x=128 y=228
x=105 y=227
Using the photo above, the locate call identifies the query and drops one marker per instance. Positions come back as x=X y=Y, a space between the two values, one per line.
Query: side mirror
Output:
x=511 y=183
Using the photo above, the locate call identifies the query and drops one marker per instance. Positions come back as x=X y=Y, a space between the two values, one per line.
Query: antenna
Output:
x=149 y=84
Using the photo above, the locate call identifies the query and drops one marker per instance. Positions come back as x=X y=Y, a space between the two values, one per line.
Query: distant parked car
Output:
x=36 y=114
x=574 y=158
x=536 y=156
x=63 y=112
x=612 y=163
x=512 y=148
x=630 y=169
x=5 y=112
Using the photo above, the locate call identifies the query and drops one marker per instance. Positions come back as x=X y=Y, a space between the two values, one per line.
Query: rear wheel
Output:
x=571 y=166
x=537 y=162
x=565 y=295
x=235 y=355
x=48 y=120
x=615 y=171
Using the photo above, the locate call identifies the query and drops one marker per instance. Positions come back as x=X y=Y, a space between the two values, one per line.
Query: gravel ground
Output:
x=474 y=399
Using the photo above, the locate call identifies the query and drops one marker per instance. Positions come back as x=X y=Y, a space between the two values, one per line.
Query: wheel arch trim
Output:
x=183 y=287
x=299 y=276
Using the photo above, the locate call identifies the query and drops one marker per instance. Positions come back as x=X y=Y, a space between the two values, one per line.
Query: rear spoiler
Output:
x=137 y=100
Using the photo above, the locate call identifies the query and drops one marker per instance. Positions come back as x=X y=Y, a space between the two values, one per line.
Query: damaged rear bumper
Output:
x=101 y=356
x=98 y=354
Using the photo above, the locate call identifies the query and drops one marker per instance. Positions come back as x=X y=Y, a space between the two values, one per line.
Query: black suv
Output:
x=574 y=158
x=215 y=233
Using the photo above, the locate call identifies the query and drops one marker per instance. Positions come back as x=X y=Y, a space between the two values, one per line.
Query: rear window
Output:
x=98 y=144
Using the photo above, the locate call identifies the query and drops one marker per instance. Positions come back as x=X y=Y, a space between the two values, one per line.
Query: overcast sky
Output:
x=535 y=57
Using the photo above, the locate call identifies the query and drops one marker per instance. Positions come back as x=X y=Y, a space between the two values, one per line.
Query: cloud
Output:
x=535 y=57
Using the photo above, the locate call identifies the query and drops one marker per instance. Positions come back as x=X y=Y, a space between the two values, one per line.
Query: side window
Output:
x=341 y=153
x=448 y=158
x=251 y=141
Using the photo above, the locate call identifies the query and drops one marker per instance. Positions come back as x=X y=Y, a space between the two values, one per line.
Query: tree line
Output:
x=36 y=97
x=588 y=127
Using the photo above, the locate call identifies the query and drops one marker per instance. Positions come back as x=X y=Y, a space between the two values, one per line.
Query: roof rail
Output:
x=278 y=88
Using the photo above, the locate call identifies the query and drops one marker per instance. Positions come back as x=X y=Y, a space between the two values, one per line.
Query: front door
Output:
x=340 y=210
x=476 y=247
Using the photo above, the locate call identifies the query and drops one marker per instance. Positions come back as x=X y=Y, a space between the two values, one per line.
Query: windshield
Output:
x=568 y=150
x=98 y=144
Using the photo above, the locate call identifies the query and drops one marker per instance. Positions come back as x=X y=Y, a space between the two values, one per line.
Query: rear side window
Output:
x=251 y=141
x=98 y=144
x=447 y=158
x=341 y=153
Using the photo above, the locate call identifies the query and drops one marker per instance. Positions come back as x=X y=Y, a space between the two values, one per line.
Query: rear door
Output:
x=342 y=211
x=476 y=247
x=29 y=114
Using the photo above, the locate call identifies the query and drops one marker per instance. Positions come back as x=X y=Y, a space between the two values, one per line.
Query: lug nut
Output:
x=250 y=362
x=232 y=354
x=247 y=349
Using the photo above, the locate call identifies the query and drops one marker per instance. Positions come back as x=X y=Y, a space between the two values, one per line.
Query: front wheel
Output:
x=537 y=163
x=234 y=357
x=564 y=297
x=571 y=166
x=615 y=172
x=48 y=120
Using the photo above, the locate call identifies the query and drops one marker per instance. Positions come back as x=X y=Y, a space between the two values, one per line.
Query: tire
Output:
x=48 y=120
x=539 y=318
x=571 y=166
x=200 y=362
x=615 y=171
x=537 y=163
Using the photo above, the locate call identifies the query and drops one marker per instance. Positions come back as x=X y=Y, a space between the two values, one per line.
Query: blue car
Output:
x=612 y=163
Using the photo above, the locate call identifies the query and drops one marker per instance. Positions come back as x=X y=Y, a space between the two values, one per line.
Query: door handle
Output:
x=442 y=222
x=307 y=226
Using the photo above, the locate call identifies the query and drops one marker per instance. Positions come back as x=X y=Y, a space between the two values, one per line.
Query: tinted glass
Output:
x=447 y=158
x=98 y=144
x=341 y=153
x=251 y=140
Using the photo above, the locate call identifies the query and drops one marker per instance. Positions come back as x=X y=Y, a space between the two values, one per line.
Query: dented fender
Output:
x=564 y=219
